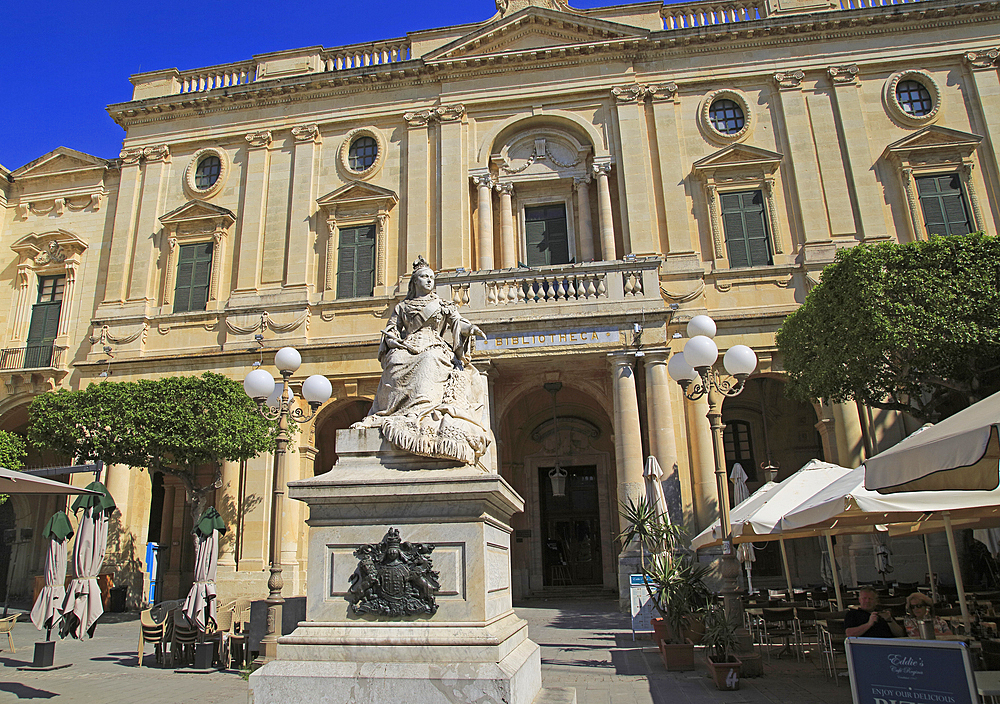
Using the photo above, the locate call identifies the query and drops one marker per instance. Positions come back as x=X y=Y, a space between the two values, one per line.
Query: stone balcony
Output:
x=612 y=290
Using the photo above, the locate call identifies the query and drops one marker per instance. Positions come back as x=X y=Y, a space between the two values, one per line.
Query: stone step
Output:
x=556 y=695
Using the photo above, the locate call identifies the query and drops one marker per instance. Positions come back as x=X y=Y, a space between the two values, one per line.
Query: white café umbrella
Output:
x=741 y=493
x=847 y=506
x=82 y=606
x=757 y=518
x=45 y=613
x=199 y=607
x=962 y=452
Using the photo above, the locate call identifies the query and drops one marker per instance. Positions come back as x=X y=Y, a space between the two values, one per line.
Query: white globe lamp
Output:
x=700 y=352
x=701 y=325
x=258 y=384
x=317 y=389
x=680 y=370
x=740 y=361
x=287 y=359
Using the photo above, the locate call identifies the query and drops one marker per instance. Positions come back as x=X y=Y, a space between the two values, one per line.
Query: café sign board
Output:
x=908 y=671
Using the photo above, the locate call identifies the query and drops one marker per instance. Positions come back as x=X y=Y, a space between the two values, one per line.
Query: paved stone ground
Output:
x=585 y=644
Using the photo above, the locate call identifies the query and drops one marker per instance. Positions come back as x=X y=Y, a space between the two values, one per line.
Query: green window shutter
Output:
x=194 y=274
x=943 y=205
x=356 y=262
x=546 y=235
x=745 y=228
x=44 y=325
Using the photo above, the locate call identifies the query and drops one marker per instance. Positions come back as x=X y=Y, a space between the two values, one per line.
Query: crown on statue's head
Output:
x=392 y=538
x=421 y=263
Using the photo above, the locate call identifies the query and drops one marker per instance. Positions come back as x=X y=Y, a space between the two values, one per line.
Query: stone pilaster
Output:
x=303 y=204
x=155 y=182
x=251 y=243
x=123 y=235
x=585 y=224
x=418 y=187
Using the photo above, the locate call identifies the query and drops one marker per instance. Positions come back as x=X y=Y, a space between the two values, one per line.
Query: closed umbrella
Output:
x=82 y=606
x=883 y=557
x=45 y=613
x=199 y=607
x=653 y=474
x=745 y=553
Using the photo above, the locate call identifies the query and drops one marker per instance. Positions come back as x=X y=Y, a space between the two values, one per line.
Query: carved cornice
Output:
x=442 y=113
x=789 y=80
x=843 y=75
x=775 y=31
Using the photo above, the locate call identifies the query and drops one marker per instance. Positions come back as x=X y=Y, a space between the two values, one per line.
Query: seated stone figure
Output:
x=430 y=401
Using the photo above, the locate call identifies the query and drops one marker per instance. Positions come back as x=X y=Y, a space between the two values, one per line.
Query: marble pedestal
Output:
x=474 y=649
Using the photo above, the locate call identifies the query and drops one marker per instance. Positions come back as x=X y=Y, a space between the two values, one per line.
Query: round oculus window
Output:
x=726 y=116
x=914 y=98
x=207 y=173
x=362 y=153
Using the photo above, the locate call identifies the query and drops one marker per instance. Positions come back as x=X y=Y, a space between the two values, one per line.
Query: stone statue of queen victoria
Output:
x=430 y=401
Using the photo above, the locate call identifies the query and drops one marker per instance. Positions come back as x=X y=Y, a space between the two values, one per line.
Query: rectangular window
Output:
x=44 y=322
x=194 y=274
x=943 y=204
x=546 y=235
x=743 y=222
x=356 y=262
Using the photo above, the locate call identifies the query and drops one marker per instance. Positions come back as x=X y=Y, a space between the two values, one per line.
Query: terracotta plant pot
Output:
x=661 y=631
x=725 y=674
x=694 y=630
x=677 y=656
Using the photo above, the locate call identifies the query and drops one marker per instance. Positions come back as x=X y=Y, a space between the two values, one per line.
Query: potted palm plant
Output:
x=675 y=584
x=722 y=641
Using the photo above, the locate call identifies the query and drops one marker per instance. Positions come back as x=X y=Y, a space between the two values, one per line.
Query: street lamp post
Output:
x=276 y=401
x=695 y=372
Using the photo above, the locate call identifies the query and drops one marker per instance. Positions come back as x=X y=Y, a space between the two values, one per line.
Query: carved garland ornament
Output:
x=394 y=579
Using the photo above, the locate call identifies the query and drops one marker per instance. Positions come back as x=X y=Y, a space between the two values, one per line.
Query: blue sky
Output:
x=64 y=62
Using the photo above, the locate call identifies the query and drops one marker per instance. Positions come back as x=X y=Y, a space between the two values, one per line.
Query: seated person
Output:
x=866 y=620
x=919 y=607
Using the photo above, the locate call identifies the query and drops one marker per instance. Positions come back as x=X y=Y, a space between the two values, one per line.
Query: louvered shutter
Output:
x=534 y=235
x=943 y=205
x=747 y=241
x=545 y=235
x=42 y=331
x=194 y=275
x=356 y=262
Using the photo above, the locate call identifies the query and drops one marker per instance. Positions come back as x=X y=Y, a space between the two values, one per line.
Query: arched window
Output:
x=738 y=443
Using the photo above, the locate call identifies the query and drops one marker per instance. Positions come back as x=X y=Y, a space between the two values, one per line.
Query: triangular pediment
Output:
x=739 y=156
x=358 y=193
x=934 y=138
x=58 y=162
x=193 y=211
x=532 y=29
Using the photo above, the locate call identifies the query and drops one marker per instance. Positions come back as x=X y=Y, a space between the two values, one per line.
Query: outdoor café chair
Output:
x=183 y=641
x=777 y=627
x=151 y=631
x=6 y=626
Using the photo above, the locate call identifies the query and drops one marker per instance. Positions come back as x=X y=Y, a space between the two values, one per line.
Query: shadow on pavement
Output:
x=22 y=691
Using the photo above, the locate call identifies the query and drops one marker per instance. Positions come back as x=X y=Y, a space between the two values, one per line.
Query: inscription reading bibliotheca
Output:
x=546 y=339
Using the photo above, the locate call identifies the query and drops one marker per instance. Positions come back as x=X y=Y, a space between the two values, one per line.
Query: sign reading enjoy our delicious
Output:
x=591 y=336
x=904 y=671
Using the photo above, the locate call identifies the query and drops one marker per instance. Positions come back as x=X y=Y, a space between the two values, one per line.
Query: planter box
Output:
x=725 y=674
x=677 y=656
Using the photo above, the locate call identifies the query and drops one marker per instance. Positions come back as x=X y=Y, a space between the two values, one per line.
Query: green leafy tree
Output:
x=174 y=425
x=912 y=327
x=12 y=452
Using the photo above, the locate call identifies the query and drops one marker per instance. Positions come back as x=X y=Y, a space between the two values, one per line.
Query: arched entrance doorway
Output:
x=329 y=423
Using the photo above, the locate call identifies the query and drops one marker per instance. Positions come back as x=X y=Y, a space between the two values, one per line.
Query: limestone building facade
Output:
x=584 y=182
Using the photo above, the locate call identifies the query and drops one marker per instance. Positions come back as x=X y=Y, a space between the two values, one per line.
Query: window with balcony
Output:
x=194 y=276
x=545 y=233
x=356 y=262
x=943 y=204
x=44 y=324
x=745 y=227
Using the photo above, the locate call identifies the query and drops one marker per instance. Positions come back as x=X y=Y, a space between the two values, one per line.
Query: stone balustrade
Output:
x=362 y=55
x=541 y=288
x=202 y=79
x=704 y=14
x=855 y=4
